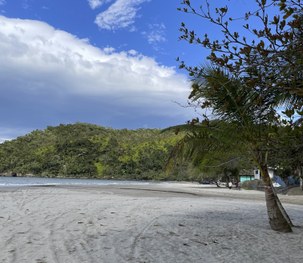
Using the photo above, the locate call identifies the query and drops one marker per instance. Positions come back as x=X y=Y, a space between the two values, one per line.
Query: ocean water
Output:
x=39 y=181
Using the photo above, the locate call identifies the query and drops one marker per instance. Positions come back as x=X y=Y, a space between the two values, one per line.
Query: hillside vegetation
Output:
x=90 y=151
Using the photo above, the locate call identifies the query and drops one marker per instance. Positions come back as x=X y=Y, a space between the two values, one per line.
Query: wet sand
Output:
x=169 y=222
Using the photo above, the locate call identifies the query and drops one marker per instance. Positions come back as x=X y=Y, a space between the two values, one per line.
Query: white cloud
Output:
x=2 y=140
x=7 y=134
x=42 y=68
x=121 y=14
x=156 y=34
x=97 y=3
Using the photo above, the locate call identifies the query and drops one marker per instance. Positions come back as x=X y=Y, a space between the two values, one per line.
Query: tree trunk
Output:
x=278 y=218
x=282 y=208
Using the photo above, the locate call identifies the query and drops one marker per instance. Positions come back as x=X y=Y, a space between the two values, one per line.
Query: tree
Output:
x=247 y=80
x=214 y=147
x=289 y=150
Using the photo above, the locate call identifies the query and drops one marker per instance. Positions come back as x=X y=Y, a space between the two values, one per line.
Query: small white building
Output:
x=276 y=180
x=257 y=173
x=254 y=174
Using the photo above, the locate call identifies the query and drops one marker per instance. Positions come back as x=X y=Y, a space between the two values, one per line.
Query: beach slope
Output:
x=153 y=223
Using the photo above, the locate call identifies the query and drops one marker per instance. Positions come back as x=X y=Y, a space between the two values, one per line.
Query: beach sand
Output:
x=170 y=222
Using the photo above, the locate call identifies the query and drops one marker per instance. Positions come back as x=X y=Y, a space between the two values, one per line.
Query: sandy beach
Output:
x=170 y=222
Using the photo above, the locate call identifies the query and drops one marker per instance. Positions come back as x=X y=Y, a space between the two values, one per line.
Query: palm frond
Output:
x=200 y=140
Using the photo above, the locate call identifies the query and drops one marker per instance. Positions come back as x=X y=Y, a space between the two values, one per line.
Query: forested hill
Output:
x=91 y=151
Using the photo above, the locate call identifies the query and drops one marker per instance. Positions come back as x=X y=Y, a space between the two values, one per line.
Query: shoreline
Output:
x=165 y=223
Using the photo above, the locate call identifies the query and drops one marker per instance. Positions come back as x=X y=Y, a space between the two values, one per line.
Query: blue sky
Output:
x=107 y=62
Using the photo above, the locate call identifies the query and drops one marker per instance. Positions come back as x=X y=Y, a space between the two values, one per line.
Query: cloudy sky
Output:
x=107 y=62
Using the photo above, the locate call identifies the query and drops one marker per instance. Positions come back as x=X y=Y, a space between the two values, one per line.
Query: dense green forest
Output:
x=90 y=151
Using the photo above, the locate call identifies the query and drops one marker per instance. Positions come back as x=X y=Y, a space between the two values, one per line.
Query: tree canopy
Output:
x=254 y=78
x=86 y=150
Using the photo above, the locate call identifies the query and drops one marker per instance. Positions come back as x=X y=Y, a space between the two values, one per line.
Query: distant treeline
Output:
x=91 y=151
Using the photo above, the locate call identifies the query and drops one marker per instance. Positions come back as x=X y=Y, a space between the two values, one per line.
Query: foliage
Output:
x=250 y=76
x=287 y=152
x=85 y=150
x=216 y=148
x=266 y=57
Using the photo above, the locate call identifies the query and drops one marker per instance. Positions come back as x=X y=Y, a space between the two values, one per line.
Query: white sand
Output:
x=128 y=224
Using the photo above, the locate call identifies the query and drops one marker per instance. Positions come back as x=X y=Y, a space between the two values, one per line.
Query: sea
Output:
x=6 y=181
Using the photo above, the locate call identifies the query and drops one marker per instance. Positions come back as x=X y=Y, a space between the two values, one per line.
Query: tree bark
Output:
x=278 y=218
x=283 y=211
